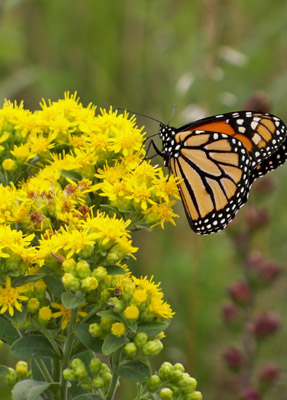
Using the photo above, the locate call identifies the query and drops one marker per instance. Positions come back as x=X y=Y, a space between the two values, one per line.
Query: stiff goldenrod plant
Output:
x=74 y=186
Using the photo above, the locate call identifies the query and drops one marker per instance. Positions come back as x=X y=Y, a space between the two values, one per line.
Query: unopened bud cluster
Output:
x=98 y=376
x=20 y=372
x=142 y=345
x=79 y=276
x=172 y=383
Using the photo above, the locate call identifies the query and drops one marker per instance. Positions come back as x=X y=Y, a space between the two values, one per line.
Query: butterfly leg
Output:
x=158 y=152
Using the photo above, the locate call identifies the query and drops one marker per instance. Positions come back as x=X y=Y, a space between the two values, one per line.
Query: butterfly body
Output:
x=218 y=158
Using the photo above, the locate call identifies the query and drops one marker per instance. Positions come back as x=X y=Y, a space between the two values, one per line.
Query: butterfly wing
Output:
x=262 y=134
x=214 y=173
x=278 y=158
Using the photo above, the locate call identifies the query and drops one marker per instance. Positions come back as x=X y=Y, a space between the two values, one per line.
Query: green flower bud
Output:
x=81 y=372
x=11 y=377
x=21 y=370
x=130 y=349
x=86 y=252
x=100 y=273
x=95 y=365
x=179 y=366
x=187 y=381
x=165 y=371
x=90 y=283
x=95 y=330
x=175 y=375
x=77 y=362
x=118 y=305
x=140 y=339
x=166 y=394
x=105 y=369
x=114 y=255
x=33 y=305
x=107 y=377
x=153 y=383
x=128 y=291
x=69 y=265
x=71 y=282
x=83 y=269
x=69 y=374
x=194 y=396
x=105 y=295
x=98 y=382
x=152 y=348
x=1 y=344
x=87 y=386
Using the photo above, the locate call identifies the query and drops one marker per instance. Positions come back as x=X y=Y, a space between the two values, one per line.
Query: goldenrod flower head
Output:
x=140 y=296
x=81 y=188
x=9 y=165
x=45 y=313
x=11 y=298
x=131 y=313
x=65 y=314
x=118 y=329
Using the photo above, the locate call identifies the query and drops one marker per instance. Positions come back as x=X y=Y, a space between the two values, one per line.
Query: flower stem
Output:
x=115 y=358
x=67 y=352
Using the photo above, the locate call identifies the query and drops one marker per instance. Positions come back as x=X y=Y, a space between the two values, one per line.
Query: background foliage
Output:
x=206 y=57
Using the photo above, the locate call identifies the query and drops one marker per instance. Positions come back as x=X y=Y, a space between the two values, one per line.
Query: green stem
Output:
x=67 y=352
x=44 y=370
x=56 y=369
x=114 y=382
x=53 y=342
x=113 y=386
x=56 y=374
x=91 y=313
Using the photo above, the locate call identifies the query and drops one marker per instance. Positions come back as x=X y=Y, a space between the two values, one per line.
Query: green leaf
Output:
x=7 y=332
x=153 y=328
x=86 y=396
x=114 y=269
x=110 y=314
x=54 y=284
x=26 y=279
x=134 y=370
x=29 y=389
x=32 y=346
x=4 y=370
x=37 y=373
x=113 y=343
x=81 y=330
x=71 y=300
x=19 y=317
x=132 y=325
x=74 y=176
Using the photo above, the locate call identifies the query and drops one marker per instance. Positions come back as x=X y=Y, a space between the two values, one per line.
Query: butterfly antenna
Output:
x=172 y=114
x=136 y=113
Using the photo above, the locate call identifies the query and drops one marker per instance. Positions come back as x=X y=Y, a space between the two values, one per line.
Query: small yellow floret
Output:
x=131 y=312
x=118 y=329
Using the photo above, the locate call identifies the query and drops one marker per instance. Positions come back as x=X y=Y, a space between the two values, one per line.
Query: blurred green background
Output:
x=206 y=57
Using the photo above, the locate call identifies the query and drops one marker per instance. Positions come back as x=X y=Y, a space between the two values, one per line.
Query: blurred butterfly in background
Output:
x=217 y=159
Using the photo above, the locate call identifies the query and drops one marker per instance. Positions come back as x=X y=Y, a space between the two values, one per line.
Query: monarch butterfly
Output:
x=217 y=159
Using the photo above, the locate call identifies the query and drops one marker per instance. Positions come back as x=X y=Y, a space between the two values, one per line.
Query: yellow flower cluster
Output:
x=73 y=186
